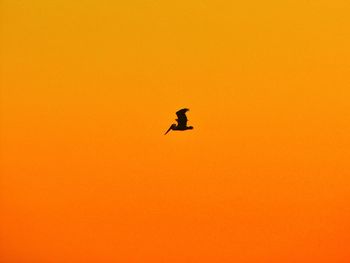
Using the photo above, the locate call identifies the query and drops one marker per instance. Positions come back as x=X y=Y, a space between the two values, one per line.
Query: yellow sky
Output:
x=89 y=88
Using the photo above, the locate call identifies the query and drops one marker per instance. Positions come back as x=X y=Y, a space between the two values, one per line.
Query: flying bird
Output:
x=181 y=122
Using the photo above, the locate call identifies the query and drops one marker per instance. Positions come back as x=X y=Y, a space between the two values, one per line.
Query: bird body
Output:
x=181 y=122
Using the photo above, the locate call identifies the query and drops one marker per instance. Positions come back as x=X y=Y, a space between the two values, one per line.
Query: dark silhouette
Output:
x=181 y=122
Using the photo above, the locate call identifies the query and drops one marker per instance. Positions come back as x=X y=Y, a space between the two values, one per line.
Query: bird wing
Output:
x=181 y=117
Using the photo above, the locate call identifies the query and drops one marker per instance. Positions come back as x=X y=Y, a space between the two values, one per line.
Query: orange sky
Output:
x=88 y=89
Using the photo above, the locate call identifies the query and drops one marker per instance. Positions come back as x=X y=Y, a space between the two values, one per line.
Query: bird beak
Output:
x=168 y=130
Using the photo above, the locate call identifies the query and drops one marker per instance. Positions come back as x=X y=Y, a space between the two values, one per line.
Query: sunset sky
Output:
x=88 y=89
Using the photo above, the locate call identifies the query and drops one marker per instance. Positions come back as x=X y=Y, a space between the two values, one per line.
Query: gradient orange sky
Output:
x=88 y=89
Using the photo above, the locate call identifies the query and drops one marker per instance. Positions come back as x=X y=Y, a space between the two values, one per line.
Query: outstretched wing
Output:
x=181 y=117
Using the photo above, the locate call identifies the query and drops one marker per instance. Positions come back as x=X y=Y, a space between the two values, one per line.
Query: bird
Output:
x=181 y=122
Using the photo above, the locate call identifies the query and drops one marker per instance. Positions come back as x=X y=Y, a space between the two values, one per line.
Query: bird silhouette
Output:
x=181 y=122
